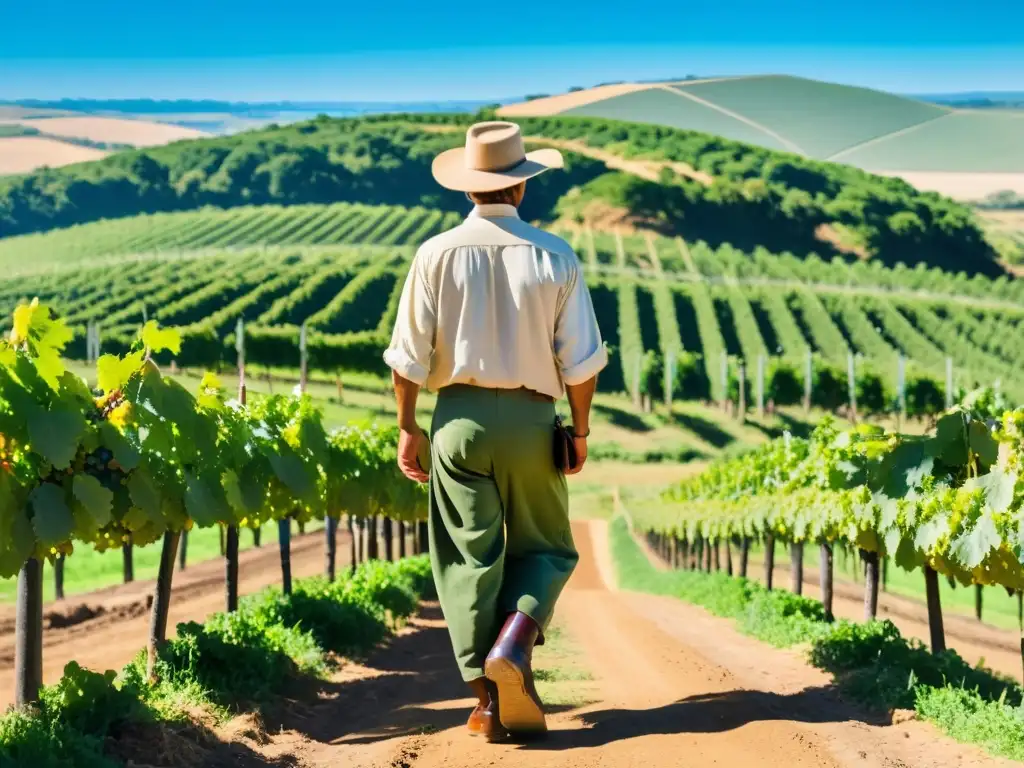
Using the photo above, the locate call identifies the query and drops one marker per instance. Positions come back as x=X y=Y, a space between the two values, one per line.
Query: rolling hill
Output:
x=676 y=182
x=963 y=153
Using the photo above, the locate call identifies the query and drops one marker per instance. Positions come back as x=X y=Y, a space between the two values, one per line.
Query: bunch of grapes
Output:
x=102 y=465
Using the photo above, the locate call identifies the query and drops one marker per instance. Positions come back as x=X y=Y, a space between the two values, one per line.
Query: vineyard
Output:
x=144 y=460
x=661 y=302
x=946 y=503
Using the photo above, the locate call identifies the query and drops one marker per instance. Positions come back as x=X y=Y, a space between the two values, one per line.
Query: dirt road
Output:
x=105 y=629
x=669 y=685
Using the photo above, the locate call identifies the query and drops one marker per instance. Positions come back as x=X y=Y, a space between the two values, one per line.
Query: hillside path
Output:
x=672 y=686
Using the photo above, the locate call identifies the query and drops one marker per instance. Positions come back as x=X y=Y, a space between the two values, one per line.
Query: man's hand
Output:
x=581 y=455
x=408 y=450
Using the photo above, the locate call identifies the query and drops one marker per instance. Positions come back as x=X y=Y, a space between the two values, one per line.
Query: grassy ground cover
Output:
x=234 y=663
x=871 y=662
x=998 y=608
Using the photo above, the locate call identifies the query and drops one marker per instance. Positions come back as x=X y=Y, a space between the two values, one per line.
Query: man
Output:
x=495 y=316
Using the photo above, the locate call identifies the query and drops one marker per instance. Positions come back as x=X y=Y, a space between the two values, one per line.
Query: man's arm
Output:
x=410 y=435
x=580 y=397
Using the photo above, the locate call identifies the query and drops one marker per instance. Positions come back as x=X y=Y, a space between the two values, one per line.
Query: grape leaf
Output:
x=94 y=498
x=204 y=505
x=51 y=518
x=125 y=454
x=145 y=495
x=292 y=472
x=157 y=339
x=983 y=444
x=998 y=487
x=16 y=538
x=951 y=441
x=55 y=434
x=972 y=547
x=113 y=373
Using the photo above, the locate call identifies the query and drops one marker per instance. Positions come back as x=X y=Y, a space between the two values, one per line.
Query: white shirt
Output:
x=497 y=303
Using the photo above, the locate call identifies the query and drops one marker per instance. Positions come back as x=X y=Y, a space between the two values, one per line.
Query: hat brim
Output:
x=450 y=171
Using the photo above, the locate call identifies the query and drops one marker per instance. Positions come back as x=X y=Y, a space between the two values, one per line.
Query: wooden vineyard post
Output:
x=58 y=577
x=728 y=555
x=808 y=380
x=352 y=553
x=128 y=559
x=424 y=536
x=182 y=550
x=402 y=533
x=769 y=560
x=673 y=551
x=825 y=577
x=161 y=603
x=760 y=386
x=741 y=410
x=707 y=555
x=284 y=541
x=330 y=547
x=744 y=556
x=284 y=525
x=303 y=376
x=715 y=552
x=387 y=524
x=796 y=555
x=231 y=569
x=372 y=538
x=28 y=634
x=851 y=380
x=870 y=584
x=684 y=554
x=901 y=391
x=935 y=628
x=231 y=533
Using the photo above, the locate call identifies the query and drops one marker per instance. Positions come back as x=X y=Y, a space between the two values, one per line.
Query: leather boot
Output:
x=483 y=720
x=508 y=666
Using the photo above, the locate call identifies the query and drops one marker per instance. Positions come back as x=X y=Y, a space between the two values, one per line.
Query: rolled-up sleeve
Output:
x=412 y=341
x=578 y=347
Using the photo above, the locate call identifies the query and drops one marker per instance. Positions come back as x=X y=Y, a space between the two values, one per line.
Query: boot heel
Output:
x=517 y=709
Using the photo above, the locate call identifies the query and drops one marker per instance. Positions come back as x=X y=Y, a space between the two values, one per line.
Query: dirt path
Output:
x=672 y=686
x=105 y=629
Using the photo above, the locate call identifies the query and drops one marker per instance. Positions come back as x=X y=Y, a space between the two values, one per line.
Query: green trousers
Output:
x=500 y=540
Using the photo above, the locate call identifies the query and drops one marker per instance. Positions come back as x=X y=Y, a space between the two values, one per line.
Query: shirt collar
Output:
x=494 y=211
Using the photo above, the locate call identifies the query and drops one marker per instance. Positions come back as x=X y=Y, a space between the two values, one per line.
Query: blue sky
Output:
x=452 y=49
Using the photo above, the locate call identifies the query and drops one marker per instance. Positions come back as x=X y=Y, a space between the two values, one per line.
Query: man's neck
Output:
x=494 y=211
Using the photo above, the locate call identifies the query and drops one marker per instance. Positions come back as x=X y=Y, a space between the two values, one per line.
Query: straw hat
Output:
x=494 y=158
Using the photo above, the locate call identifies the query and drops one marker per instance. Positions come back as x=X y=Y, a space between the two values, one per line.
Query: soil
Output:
x=105 y=629
x=671 y=686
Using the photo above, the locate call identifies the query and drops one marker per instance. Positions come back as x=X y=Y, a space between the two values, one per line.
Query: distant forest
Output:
x=759 y=196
